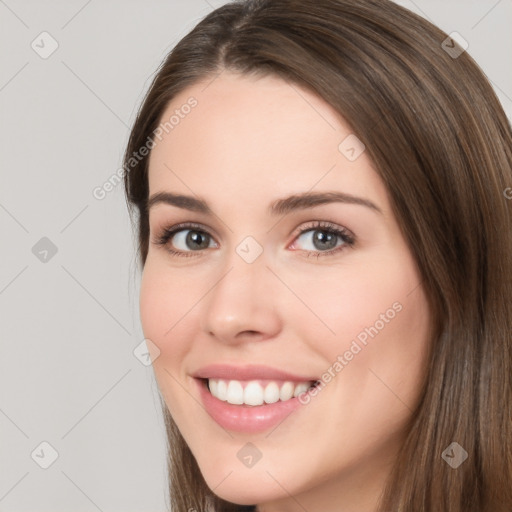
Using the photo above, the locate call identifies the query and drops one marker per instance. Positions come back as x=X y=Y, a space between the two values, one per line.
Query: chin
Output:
x=249 y=486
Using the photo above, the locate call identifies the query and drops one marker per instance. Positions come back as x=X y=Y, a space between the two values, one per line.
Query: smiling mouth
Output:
x=256 y=392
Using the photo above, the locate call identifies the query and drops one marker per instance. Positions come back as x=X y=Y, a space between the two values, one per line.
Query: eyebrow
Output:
x=278 y=207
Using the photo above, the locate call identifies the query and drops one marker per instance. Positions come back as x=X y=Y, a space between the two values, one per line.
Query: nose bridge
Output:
x=241 y=299
x=245 y=266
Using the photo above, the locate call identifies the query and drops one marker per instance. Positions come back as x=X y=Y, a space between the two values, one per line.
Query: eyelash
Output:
x=346 y=236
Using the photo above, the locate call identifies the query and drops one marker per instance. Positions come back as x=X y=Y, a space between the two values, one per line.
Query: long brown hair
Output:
x=442 y=144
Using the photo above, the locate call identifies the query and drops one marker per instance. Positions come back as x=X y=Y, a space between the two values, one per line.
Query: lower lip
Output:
x=245 y=418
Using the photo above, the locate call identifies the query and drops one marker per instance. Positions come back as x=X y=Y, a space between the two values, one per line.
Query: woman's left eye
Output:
x=324 y=237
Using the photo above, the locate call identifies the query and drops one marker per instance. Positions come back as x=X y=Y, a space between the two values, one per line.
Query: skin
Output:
x=248 y=142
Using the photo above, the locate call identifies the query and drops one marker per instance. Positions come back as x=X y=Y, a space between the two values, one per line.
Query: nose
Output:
x=243 y=303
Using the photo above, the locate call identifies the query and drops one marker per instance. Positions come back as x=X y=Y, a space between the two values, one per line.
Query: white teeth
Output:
x=214 y=386
x=253 y=394
x=300 y=388
x=271 y=394
x=286 y=391
x=222 y=390
x=233 y=392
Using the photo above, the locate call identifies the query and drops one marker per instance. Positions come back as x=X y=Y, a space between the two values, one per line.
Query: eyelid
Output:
x=321 y=225
x=182 y=226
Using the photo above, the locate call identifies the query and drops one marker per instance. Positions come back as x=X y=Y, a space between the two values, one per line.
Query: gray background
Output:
x=69 y=320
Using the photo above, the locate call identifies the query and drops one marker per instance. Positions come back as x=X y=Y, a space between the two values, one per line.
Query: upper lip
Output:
x=249 y=372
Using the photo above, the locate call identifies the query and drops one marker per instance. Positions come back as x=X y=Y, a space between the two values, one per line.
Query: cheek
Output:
x=165 y=313
x=383 y=334
x=163 y=303
x=343 y=303
x=375 y=316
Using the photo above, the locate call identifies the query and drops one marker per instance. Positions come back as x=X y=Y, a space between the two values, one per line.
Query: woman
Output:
x=326 y=252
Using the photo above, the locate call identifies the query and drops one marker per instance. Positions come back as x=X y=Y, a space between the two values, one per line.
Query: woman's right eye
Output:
x=189 y=238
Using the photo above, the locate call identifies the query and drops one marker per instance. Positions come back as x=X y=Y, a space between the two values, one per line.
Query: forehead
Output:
x=255 y=135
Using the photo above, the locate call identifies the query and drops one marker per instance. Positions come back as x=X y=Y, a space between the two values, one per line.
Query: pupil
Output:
x=195 y=236
x=322 y=237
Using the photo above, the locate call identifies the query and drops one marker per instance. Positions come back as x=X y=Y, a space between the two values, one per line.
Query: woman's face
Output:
x=281 y=289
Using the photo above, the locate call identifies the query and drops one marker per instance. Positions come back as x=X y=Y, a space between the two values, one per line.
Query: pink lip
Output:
x=250 y=372
x=245 y=418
